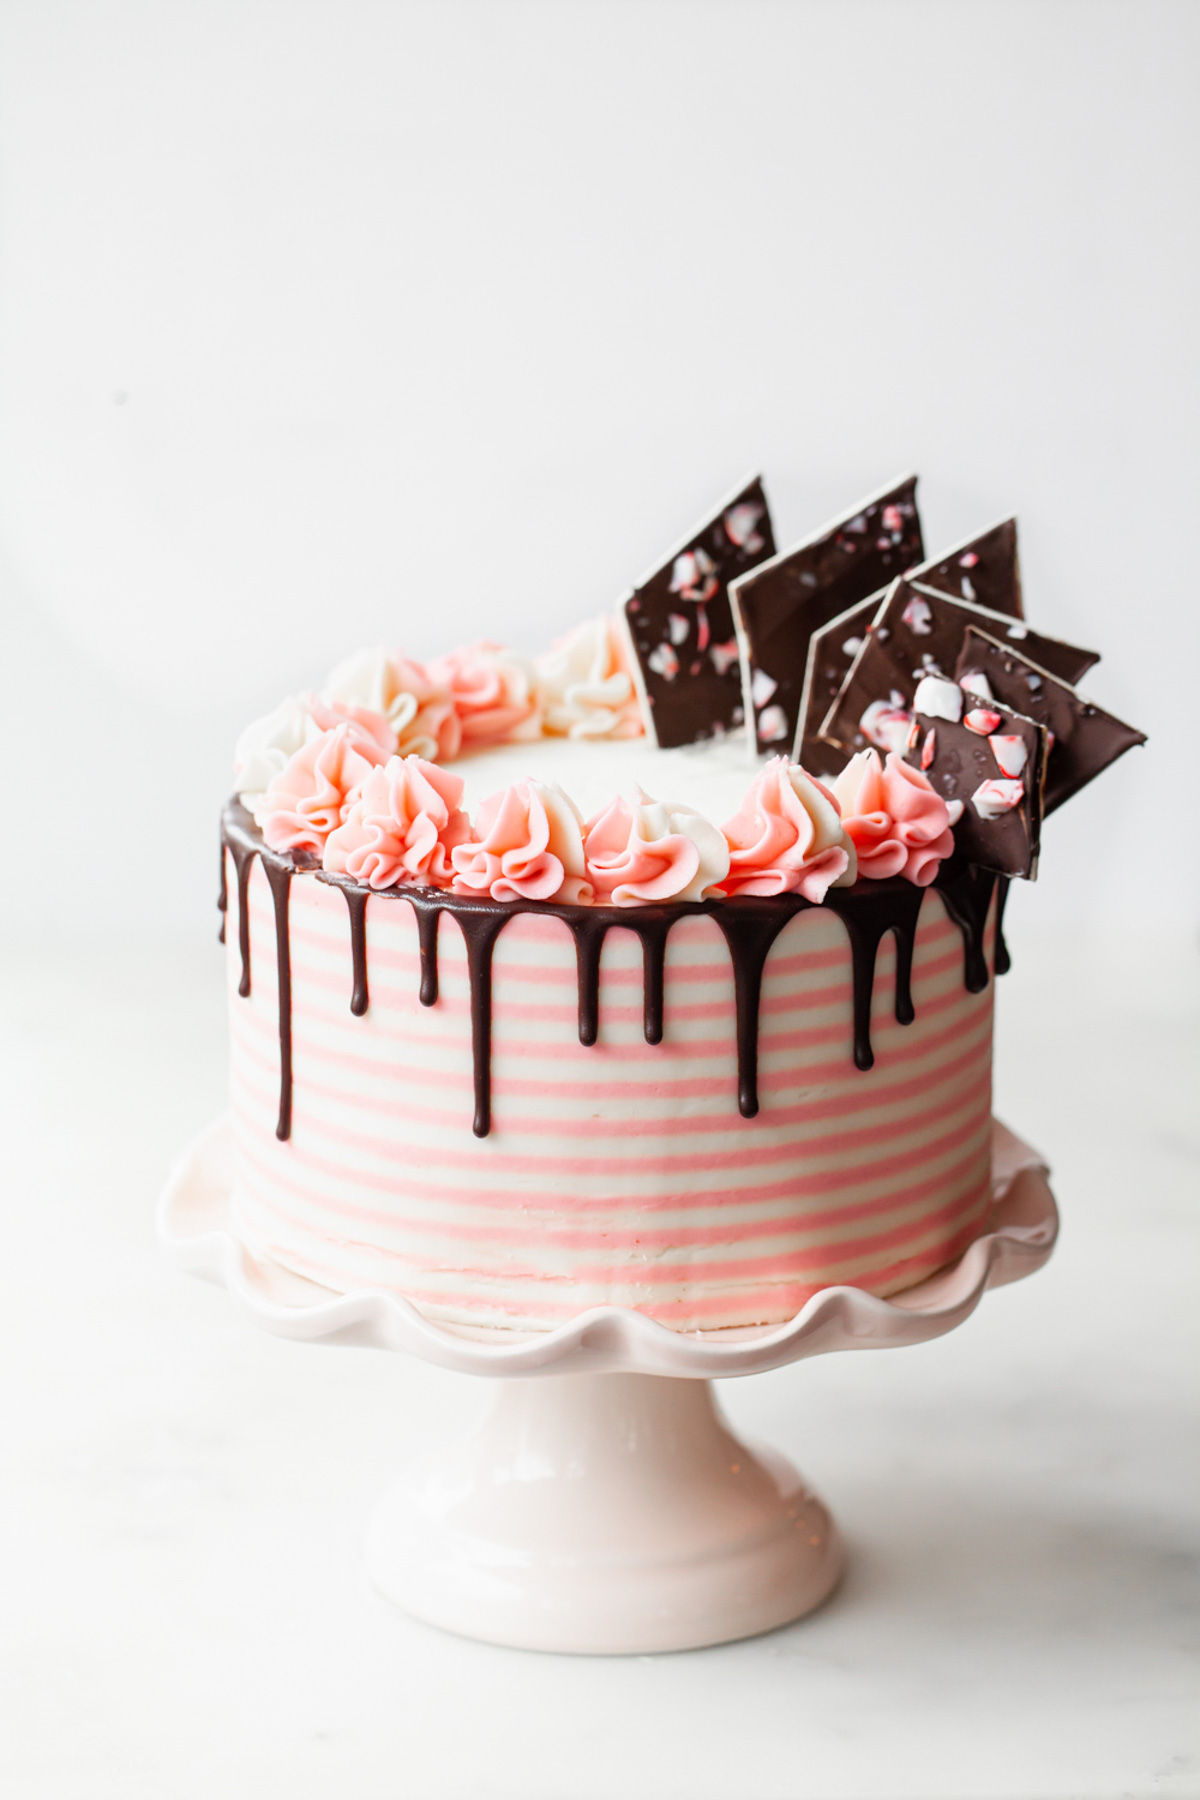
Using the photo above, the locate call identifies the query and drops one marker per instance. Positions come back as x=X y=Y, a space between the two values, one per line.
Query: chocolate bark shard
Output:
x=917 y=632
x=783 y=601
x=680 y=623
x=831 y=653
x=993 y=762
x=984 y=570
x=1085 y=738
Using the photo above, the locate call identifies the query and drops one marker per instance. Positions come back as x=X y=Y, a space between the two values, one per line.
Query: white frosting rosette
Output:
x=267 y=746
x=584 y=687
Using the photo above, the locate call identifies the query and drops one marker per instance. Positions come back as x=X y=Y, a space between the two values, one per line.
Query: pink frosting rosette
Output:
x=653 y=850
x=312 y=795
x=327 y=715
x=493 y=694
x=787 y=837
x=433 y=728
x=899 y=825
x=402 y=827
x=527 y=844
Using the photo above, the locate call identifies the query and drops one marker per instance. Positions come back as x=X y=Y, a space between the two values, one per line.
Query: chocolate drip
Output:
x=223 y=890
x=356 y=901
x=750 y=929
x=243 y=854
x=652 y=929
x=279 y=874
x=749 y=924
x=868 y=915
x=480 y=930
x=1000 y=957
x=967 y=892
x=428 y=918
x=589 y=933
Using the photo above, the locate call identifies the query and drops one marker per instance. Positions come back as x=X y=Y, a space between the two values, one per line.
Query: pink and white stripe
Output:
x=619 y=1174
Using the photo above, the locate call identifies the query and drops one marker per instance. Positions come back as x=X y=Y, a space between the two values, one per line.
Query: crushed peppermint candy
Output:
x=918 y=617
x=694 y=576
x=976 y=682
x=740 y=523
x=929 y=748
x=762 y=686
x=1011 y=753
x=992 y=799
x=938 y=699
x=983 y=720
x=664 y=662
x=886 y=722
x=772 y=724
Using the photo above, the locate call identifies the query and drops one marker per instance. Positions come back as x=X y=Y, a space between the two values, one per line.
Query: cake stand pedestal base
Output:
x=601 y=1514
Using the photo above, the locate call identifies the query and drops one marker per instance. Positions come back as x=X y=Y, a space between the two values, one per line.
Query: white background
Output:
x=326 y=324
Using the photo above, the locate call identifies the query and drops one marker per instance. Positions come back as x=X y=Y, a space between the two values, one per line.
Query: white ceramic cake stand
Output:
x=610 y=1509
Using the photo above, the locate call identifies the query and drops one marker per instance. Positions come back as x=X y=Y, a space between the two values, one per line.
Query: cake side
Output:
x=620 y=1172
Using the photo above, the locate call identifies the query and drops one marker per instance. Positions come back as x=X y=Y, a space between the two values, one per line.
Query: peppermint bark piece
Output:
x=831 y=653
x=680 y=625
x=1084 y=739
x=779 y=606
x=919 y=632
x=984 y=570
x=989 y=765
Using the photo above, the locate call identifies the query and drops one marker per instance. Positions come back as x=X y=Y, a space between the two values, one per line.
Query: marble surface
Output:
x=182 y=1497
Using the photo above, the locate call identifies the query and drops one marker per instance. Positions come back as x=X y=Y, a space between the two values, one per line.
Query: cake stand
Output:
x=609 y=1509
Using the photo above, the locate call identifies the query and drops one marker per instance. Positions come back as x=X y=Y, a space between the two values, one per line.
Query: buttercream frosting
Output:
x=584 y=686
x=266 y=747
x=527 y=844
x=653 y=850
x=898 y=824
x=420 y=710
x=788 y=837
x=313 y=793
x=403 y=826
x=494 y=693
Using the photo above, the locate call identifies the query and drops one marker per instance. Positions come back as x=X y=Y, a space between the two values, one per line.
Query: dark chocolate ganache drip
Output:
x=750 y=926
x=279 y=875
x=869 y=912
x=243 y=840
x=1000 y=956
x=967 y=892
x=356 y=901
x=223 y=890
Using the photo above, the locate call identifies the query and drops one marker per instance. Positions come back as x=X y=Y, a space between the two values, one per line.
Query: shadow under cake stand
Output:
x=610 y=1510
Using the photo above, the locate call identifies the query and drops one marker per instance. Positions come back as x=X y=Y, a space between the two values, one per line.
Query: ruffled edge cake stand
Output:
x=612 y=1511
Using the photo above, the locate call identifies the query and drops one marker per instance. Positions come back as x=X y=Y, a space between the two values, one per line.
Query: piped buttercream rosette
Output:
x=311 y=796
x=584 y=686
x=896 y=822
x=527 y=845
x=402 y=828
x=787 y=837
x=653 y=850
